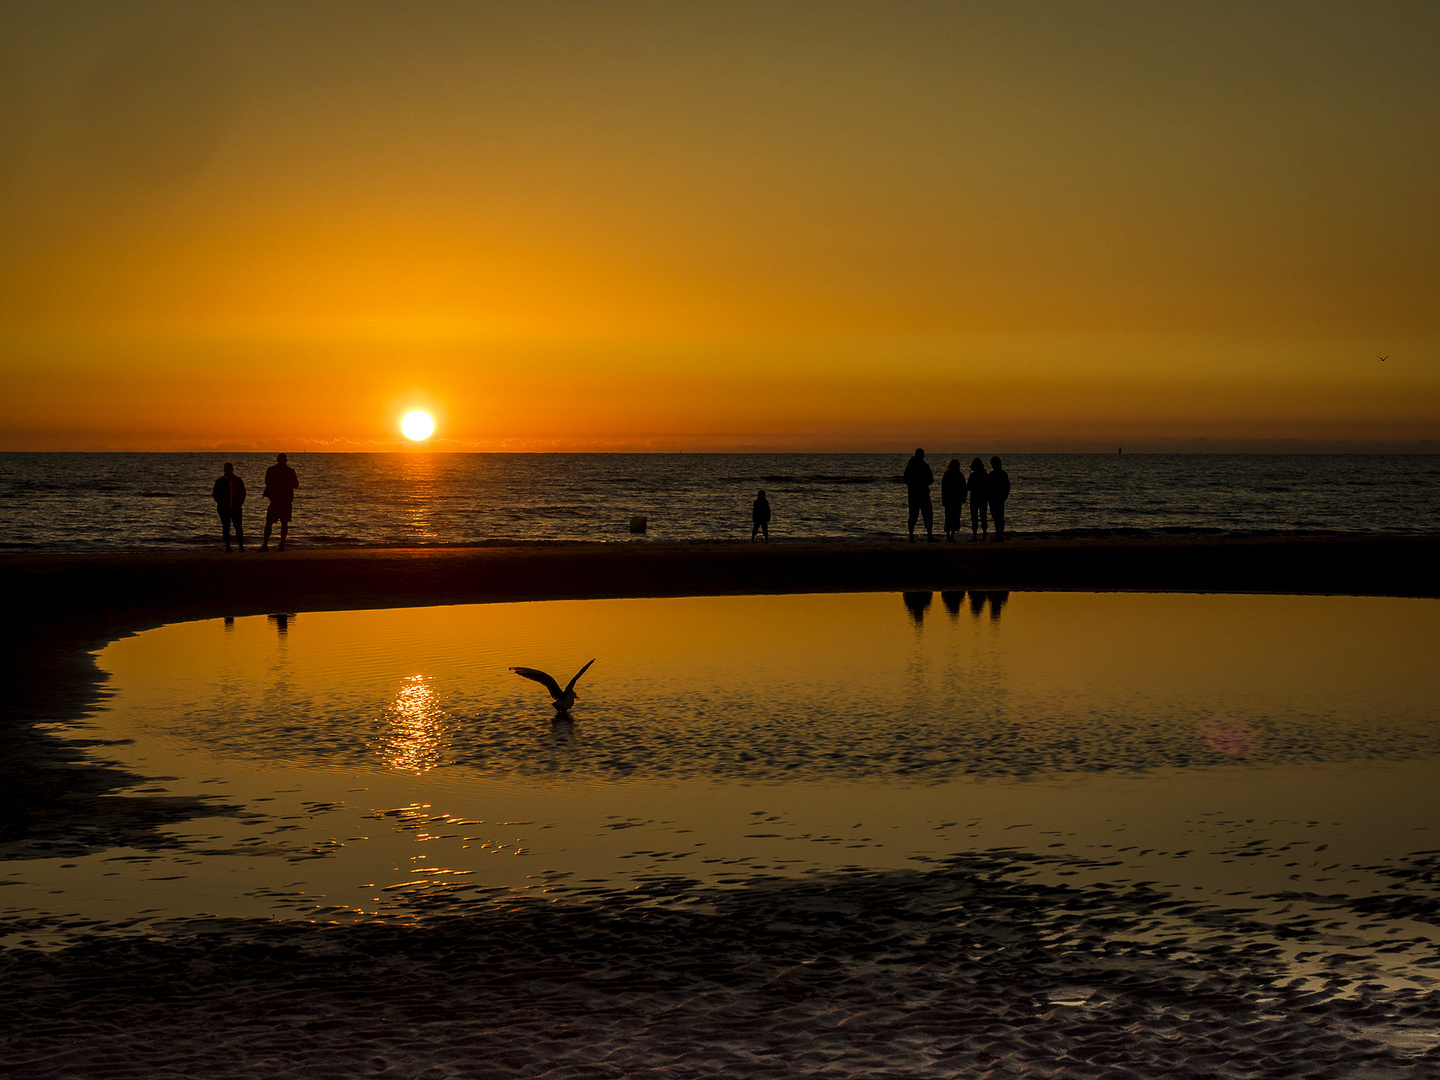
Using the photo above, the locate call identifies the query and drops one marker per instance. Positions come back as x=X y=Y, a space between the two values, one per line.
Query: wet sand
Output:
x=967 y=968
x=972 y=966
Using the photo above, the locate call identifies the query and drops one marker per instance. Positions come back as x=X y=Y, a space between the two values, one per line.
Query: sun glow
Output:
x=417 y=426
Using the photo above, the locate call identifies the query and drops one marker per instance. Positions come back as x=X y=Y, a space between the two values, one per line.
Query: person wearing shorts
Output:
x=280 y=485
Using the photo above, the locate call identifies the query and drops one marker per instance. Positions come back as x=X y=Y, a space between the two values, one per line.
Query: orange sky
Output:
x=778 y=225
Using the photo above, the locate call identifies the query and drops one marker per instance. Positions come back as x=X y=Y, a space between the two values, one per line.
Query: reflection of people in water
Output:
x=978 y=499
x=229 y=495
x=917 y=602
x=952 y=497
x=918 y=479
x=282 y=623
x=996 y=599
x=760 y=517
x=997 y=488
x=280 y=485
x=952 y=602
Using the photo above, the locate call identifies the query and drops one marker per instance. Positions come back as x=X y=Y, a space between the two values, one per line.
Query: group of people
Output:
x=229 y=493
x=984 y=491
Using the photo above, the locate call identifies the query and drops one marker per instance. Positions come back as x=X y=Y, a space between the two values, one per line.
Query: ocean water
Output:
x=112 y=501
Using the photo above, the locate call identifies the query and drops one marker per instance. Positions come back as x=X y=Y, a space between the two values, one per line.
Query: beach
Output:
x=1053 y=970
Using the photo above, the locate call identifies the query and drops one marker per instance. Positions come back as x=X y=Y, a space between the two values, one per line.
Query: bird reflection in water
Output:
x=415 y=727
x=562 y=730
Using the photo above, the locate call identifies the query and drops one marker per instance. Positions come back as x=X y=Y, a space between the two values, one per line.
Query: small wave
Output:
x=817 y=478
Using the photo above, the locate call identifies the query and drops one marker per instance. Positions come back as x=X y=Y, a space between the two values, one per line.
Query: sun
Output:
x=417 y=426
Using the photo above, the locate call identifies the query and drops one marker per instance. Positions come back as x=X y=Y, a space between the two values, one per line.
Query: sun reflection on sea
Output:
x=416 y=728
x=421 y=487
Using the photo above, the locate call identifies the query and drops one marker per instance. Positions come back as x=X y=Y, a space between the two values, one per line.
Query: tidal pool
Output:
x=1270 y=755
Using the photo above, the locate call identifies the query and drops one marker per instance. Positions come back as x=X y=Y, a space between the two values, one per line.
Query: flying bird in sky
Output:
x=1384 y=358
x=561 y=699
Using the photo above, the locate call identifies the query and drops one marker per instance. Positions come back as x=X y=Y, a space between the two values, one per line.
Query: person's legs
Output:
x=284 y=527
x=225 y=527
x=269 y=520
x=997 y=511
x=974 y=520
x=984 y=524
x=239 y=535
x=765 y=528
x=914 y=513
x=928 y=509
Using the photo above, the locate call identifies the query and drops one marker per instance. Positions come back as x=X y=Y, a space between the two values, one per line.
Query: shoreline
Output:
x=67 y=606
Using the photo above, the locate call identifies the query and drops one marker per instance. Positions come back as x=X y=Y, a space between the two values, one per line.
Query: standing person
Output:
x=997 y=487
x=760 y=517
x=280 y=485
x=918 y=479
x=978 y=500
x=952 y=497
x=229 y=495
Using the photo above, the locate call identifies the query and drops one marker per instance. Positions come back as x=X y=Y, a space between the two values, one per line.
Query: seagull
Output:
x=1383 y=358
x=561 y=699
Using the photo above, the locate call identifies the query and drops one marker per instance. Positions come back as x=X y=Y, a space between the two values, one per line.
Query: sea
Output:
x=132 y=501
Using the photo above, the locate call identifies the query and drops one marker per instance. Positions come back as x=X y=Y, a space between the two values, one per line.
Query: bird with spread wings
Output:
x=561 y=699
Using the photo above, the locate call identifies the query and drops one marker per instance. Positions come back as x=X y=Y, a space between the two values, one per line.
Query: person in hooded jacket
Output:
x=997 y=490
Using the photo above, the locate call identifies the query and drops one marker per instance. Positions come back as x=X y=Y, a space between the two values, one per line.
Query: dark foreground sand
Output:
x=964 y=969
x=970 y=967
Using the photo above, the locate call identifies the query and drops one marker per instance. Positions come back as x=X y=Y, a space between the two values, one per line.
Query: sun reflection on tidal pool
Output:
x=416 y=725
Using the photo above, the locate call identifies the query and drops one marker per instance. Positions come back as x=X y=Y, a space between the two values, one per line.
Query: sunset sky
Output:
x=726 y=225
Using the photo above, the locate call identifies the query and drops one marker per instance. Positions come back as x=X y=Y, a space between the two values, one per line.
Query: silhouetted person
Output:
x=997 y=488
x=918 y=479
x=760 y=517
x=280 y=485
x=979 y=499
x=229 y=494
x=916 y=603
x=952 y=497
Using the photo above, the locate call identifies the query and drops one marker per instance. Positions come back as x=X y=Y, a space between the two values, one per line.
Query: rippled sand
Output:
x=969 y=967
